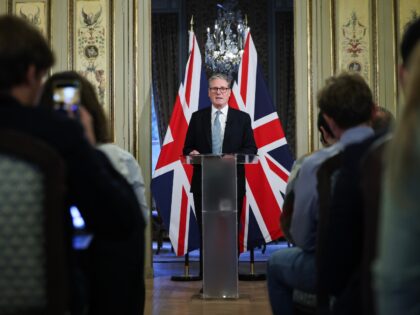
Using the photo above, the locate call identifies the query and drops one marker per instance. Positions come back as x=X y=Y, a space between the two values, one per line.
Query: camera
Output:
x=66 y=96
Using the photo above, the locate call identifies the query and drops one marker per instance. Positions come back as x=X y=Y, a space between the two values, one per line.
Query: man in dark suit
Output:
x=106 y=201
x=234 y=131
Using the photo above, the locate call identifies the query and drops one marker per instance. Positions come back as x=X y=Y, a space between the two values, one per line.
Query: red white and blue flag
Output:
x=171 y=180
x=265 y=181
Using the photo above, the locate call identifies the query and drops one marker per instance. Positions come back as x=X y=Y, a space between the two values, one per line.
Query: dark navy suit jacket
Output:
x=238 y=138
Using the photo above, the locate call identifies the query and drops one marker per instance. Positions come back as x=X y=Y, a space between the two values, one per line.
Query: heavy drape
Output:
x=285 y=73
x=165 y=67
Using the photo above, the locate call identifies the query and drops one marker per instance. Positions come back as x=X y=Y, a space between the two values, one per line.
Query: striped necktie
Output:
x=217 y=135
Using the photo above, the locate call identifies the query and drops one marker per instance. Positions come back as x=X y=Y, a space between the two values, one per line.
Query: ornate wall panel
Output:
x=91 y=37
x=36 y=12
x=355 y=39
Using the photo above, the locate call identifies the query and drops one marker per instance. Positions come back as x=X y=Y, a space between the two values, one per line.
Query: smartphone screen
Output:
x=66 y=96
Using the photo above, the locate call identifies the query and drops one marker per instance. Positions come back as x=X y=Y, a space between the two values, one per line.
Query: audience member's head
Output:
x=327 y=138
x=383 y=119
x=88 y=100
x=404 y=155
x=409 y=41
x=346 y=101
x=24 y=59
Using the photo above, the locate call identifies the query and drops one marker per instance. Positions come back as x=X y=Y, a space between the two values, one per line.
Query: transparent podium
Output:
x=219 y=219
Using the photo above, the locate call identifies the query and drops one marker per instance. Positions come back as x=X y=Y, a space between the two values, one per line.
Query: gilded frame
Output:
x=355 y=39
x=36 y=12
x=91 y=39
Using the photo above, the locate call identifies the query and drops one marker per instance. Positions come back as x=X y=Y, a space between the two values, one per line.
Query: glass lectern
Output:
x=219 y=216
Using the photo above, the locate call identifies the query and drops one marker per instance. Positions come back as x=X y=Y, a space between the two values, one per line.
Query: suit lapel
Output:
x=228 y=131
x=207 y=126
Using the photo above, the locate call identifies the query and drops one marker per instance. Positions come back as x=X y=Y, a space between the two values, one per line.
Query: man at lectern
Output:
x=219 y=129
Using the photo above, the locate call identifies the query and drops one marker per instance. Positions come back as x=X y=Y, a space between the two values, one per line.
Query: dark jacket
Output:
x=238 y=138
x=104 y=198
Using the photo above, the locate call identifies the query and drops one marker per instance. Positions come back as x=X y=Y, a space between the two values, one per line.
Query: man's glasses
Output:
x=219 y=89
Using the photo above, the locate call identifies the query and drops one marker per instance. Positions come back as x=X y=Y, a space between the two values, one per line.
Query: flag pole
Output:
x=186 y=276
x=252 y=276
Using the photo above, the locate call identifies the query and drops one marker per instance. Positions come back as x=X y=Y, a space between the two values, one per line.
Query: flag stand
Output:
x=186 y=276
x=252 y=276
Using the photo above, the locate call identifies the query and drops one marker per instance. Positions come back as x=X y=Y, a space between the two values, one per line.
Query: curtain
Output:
x=285 y=72
x=165 y=67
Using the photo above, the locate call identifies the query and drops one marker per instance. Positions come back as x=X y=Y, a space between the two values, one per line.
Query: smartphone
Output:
x=66 y=96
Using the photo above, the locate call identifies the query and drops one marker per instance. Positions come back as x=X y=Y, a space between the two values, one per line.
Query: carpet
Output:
x=167 y=255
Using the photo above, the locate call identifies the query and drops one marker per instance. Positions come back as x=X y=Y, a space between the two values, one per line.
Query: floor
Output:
x=164 y=296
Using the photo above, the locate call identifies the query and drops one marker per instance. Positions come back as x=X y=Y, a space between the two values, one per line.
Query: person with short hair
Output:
x=93 y=186
x=116 y=268
x=347 y=105
x=236 y=136
x=327 y=139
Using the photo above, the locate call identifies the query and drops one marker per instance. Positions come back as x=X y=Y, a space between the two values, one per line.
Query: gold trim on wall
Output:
x=111 y=117
x=396 y=58
x=91 y=45
x=375 y=51
x=70 y=35
x=30 y=11
x=333 y=37
x=135 y=90
x=310 y=75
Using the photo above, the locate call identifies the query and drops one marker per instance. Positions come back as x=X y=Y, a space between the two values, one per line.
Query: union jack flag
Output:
x=172 y=180
x=265 y=181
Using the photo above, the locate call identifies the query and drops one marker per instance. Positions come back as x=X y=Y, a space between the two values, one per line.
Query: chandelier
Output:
x=224 y=46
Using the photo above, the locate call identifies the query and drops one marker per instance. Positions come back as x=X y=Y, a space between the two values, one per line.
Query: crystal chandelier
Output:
x=224 y=46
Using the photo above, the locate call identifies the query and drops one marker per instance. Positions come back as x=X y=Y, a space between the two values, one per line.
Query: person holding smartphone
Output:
x=114 y=263
x=106 y=201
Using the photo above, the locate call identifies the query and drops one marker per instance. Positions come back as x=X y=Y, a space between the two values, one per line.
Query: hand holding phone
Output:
x=66 y=97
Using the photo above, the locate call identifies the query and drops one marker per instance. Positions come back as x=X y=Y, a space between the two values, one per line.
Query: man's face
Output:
x=219 y=92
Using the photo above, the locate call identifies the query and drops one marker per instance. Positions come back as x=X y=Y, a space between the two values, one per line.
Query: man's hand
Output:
x=194 y=152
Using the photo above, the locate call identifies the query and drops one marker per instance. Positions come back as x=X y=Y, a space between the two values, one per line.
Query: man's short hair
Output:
x=21 y=45
x=347 y=99
x=410 y=39
x=222 y=76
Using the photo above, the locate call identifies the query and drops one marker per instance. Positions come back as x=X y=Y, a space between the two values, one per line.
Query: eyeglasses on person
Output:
x=219 y=89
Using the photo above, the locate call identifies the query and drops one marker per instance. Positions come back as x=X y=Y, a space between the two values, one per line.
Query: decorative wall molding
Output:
x=355 y=39
x=38 y=13
x=91 y=31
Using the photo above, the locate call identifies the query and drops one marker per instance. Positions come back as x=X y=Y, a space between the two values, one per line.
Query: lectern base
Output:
x=241 y=298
